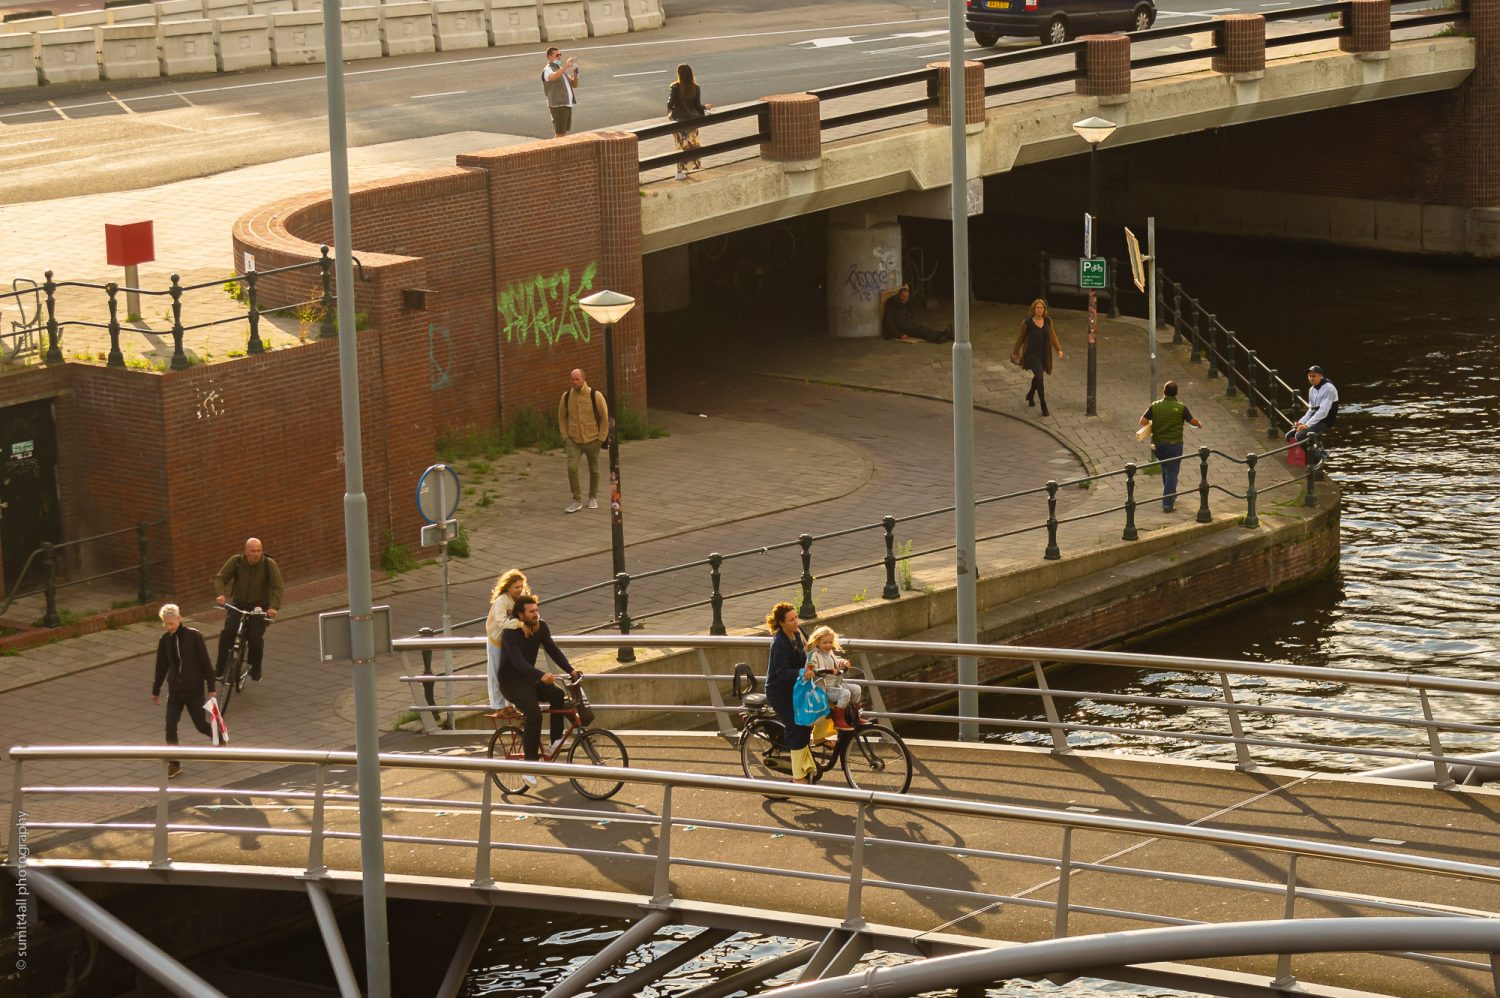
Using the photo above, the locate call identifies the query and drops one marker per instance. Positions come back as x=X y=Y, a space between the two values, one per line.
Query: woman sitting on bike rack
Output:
x=788 y=657
x=523 y=684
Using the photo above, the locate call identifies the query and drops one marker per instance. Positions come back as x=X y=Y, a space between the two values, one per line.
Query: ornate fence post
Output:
x=1130 y=533
x=49 y=288
x=1251 y=520
x=255 y=345
x=1271 y=392
x=143 y=593
x=622 y=600
x=179 y=359
x=891 y=591
x=327 y=327
x=1204 y=516
x=1177 y=322
x=1195 y=339
x=716 y=598
x=807 y=611
x=1229 y=368
x=49 y=566
x=1212 y=346
x=1252 y=362
x=116 y=357
x=1052 y=553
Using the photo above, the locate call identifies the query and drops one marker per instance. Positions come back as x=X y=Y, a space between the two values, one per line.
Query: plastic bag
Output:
x=809 y=702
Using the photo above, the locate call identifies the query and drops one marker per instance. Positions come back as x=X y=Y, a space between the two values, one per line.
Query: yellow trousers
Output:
x=802 y=764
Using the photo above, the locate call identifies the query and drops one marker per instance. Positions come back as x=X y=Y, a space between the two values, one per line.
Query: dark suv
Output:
x=1055 y=21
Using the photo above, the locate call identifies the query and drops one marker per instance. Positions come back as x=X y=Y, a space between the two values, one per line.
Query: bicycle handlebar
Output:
x=257 y=612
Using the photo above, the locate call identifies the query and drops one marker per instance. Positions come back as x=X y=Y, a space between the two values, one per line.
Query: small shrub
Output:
x=121 y=604
x=485 y=499
x=65 y=615
x=235 y=290
x=532 y=429
x=397 y=557
x=903 y=567
x=862 y=595
x=633 y=425
x=459 y=546
x=477 y=468
x=486 y=443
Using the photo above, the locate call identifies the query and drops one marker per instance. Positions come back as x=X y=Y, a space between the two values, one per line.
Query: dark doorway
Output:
x=29 y=512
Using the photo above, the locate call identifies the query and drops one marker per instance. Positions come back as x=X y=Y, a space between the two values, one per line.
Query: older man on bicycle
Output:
x=248 y=580
x=523 y=684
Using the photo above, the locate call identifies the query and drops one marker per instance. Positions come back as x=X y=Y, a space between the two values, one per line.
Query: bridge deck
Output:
x=918 y=848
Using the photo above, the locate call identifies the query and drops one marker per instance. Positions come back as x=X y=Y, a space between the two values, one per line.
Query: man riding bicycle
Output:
x=523 y=684
x=249 y=580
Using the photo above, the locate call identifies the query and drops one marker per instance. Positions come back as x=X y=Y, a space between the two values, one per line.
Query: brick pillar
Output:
x=973 y=94
x=795 y=139
x=1369 y=27
x=1105 y=63
x=1480 y=95
x=1243 y=39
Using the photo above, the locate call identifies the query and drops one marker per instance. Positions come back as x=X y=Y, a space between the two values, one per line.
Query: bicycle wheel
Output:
x=506 y=743
x=762 y=756
x=876 y=759
x=227 y=685
x=598 y=747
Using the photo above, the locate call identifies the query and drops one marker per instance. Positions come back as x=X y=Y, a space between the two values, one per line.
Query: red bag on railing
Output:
x=1297 y=457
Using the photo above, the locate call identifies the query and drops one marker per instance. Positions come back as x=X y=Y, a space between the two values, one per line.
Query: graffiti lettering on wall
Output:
x=439 y=341
x=865 y=284
x=210 y=402
x=543 y=310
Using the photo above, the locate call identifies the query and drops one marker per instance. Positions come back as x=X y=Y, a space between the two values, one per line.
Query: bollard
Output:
x=143 y=592
x=1271 y=392
x=54 y=351
x=716 y=599
x=1251 y=520
x=1177 y=323
x=1052 y=553
x=255 y=345
x=1212 y=346
x=1251 y=364
x=327 y=328
x=1130 y=533
x=49 y=565
x=1311 y=445
x=116 y=358
x=1229 y=368
x=622 y=606
x=891 y=591
x=179 y=359
x=807 y=611
x=1204 y=516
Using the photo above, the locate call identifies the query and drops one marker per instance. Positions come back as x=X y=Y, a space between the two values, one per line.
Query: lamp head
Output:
x=607 y=307
x=1094 y=130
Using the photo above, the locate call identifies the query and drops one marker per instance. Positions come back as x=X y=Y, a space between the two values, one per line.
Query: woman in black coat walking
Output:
x=685 y=103
x=1033 y=351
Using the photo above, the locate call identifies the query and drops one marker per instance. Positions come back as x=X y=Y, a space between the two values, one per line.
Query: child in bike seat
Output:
x=823 y=659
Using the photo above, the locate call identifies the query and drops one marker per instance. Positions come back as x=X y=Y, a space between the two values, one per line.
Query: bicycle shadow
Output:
x=590 y=830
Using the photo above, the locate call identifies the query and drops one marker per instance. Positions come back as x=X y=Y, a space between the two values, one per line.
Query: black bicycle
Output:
x=237 y=669
x=872 y=755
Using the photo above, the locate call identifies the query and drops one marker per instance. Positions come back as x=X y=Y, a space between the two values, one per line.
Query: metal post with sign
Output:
x=438 y=491
x=1145 y=282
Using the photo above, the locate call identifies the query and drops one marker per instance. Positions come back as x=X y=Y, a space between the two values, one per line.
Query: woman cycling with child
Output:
x=787 y=659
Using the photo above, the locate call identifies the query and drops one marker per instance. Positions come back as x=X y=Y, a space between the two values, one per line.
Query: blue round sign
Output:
x=438 y=491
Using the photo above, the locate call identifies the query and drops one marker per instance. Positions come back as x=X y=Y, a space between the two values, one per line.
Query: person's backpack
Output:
x=598 y=416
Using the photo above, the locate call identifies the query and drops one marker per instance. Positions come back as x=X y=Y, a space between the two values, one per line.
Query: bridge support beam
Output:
x=750 y=977
x=463 y=953
x=333 y=941
x=611 y=954
x=663 y=965
x=864 y=259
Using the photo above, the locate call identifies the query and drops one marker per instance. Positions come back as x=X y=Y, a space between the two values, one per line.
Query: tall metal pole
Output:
x=963 y=377
x=356 y=530
x=616 y=505
x=1091 y=407
x=1151 y=307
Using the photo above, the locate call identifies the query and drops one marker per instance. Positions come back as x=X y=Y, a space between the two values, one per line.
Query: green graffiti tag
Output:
x=544 y=309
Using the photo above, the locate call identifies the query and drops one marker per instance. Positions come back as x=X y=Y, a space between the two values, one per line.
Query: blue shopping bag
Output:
x=809 y=702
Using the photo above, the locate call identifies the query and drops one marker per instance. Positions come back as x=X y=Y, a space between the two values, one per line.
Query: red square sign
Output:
x=129 y=244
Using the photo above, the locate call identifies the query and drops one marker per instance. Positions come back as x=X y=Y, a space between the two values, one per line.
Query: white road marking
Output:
x=349 y=75
x=227 y=117
x=61 y=113
x=119 y=103
x=445 y=93
x=28 y=142
x=649 y=72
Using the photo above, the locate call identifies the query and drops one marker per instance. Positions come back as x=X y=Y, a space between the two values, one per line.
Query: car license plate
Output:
x=998 y=4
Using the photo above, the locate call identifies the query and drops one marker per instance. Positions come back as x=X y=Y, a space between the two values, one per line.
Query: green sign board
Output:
x=1092 y=272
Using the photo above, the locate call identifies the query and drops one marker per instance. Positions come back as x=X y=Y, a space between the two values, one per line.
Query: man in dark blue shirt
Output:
x=523 y=684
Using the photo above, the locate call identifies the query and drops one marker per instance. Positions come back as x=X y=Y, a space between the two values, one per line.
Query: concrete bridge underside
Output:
x=796 y=885
x=913 y=159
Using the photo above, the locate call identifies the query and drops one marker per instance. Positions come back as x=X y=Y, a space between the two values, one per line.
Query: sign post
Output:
x=130 y=245
x=1143 y=274
x=437 y=500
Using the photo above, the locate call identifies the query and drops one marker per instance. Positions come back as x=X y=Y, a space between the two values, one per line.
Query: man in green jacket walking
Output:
x=1166 y=417
x=248 y=580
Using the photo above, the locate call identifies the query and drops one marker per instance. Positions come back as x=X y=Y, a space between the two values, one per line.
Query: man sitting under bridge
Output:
x=899 y=323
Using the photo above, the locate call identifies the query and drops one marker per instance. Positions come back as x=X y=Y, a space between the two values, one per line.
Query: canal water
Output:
x=1413 y=345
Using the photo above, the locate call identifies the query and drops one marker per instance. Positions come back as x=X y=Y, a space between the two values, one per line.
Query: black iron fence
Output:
x=45 y=560
x=243 y=287
x=928 y=78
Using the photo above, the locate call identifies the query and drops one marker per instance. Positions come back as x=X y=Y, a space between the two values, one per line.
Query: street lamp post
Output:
x=1093 y=131
x=608 y=308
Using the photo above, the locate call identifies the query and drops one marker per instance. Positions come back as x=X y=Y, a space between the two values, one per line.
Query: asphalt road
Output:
x=63 y=141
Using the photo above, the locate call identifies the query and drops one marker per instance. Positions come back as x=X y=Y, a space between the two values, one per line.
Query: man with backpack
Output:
x=583 y=418
x=1166 y=417
x=1322 y=412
